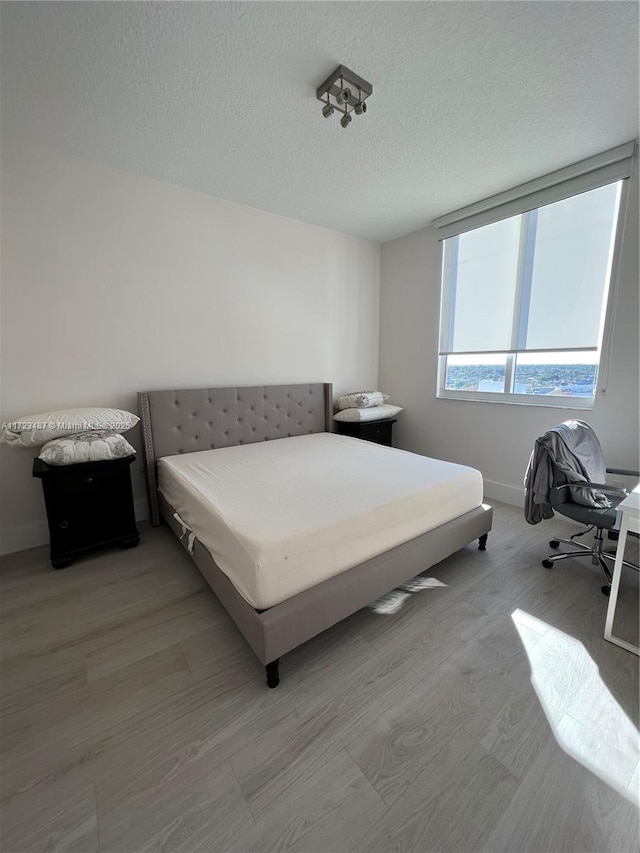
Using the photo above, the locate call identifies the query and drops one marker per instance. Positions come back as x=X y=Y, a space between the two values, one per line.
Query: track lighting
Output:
x=349 y=93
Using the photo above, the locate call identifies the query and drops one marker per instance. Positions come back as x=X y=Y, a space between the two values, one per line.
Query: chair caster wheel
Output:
x=547 y=564
x=606 y=590
x=554 y=543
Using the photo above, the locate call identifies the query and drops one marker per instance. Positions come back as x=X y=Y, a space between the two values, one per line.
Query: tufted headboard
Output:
x=208 y=418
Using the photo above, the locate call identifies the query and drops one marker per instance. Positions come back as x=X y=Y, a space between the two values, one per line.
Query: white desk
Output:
x=629 y=509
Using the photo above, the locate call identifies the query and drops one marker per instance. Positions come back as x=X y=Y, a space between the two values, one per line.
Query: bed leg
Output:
x=482 y=542
x=273 y=674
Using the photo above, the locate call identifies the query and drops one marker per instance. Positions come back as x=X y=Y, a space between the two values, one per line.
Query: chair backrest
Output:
x=577 y=449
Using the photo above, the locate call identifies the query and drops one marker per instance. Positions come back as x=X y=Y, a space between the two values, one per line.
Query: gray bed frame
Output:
x=183 y=421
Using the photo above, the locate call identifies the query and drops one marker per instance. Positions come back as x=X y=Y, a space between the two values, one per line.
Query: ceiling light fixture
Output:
x=348 y=91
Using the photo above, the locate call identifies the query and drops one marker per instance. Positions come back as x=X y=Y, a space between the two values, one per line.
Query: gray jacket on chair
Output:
x=568 y=453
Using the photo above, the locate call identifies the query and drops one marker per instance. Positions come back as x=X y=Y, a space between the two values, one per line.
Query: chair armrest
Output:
x=624 y=471
x=605 y=488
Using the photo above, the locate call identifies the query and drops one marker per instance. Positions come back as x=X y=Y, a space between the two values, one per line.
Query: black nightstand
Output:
x=88 y=505
x=376 y=431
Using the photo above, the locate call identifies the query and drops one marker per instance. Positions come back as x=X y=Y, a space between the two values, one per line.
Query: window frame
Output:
x=523 y=291
x=511 y=397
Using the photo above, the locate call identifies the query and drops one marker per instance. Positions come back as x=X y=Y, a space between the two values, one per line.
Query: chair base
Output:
x=599 y=557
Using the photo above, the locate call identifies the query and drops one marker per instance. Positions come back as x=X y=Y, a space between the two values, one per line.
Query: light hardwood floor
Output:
x=486 y=716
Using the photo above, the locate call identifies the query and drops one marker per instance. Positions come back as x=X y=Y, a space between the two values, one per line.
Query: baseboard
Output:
x=27 y=536
x=503 y=493
x=14 y=539
x=141 y=509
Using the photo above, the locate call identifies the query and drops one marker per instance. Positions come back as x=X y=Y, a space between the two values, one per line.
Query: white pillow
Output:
x=35 y=430
x=375 y=413
x=94 y=446
x=361 y=400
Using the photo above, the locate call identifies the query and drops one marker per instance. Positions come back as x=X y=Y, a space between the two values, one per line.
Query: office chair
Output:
x=600 y=518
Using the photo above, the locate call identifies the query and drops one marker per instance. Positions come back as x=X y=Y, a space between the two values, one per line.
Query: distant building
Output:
x=498 y=385
x=585 y=390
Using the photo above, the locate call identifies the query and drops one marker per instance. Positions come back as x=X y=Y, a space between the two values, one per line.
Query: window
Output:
x=524 y=296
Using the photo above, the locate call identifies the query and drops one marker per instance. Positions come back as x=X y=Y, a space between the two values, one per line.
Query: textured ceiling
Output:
x=469 y=98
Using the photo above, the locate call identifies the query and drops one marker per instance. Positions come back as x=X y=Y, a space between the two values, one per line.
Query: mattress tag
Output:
x=185 y=528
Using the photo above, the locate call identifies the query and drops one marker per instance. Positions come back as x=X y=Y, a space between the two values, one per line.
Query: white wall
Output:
x=113 y=283
x=496 y=438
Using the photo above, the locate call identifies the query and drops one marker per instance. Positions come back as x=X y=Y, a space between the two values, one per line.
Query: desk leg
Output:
x=615 y=586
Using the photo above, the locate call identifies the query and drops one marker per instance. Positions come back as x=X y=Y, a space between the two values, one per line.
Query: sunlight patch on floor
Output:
x=586 y=720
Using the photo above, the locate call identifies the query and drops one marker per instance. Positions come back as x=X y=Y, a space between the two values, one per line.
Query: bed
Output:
x=293 y=527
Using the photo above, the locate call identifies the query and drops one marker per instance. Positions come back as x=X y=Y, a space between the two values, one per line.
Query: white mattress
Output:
x=281 y=516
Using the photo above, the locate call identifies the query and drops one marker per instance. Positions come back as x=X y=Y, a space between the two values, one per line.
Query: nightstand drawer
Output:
x=71 y=528
x=85 y=482
x=379 y=432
